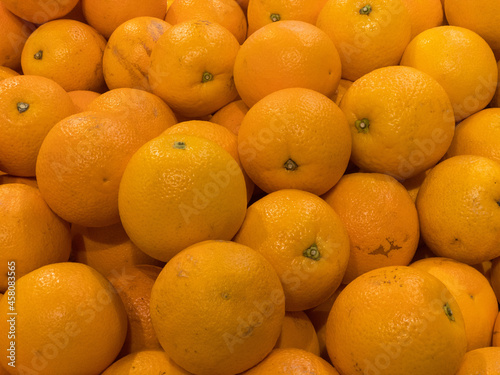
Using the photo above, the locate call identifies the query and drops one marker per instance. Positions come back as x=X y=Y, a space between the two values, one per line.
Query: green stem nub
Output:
x=448 y=312
x=290 y=165
x=206 y=77
x=366 y=10
x=275 y=17
x=362 y=125
x=38 y=55
x=22 y=107
x=312 y=252
x=180 y=145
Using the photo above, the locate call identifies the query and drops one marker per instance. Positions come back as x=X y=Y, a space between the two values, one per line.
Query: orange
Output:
x=292 y=362
x=81 y=162
x=396 y=320
x=294 y=138
x=82 y=98
x=263 y=12
x=286 y=54
x=461 y=61
x=380 y=218
x=30 y=107
x=298 y=332
x=178 y=190
x=32 y=235
x=368 y=34
x=231 y=115
x=473 y=293
x=483 y=361
x=7 y=72
x=73 y=322
x=401 y=121
x=478 y=16
x=145 y=362
x=133 y=284
x=106 y=16
x=496 y=332
x=68 y=52
x=305 y=241
x=341 y=90
x=192 y=67
x=107 y=249
x=495 y=277
x=40 y=11
x=458 y=209
x=236 y=317
x=227 y=13
x=126 y=58
x=478 y=134
x=15 y=31
x=424 y=15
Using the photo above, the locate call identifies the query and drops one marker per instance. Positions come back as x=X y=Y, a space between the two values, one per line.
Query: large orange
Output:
x=145 y=362
x=31 y=234
x=424 y=15
x=263 y=12
x=39 y=12
x=461 y=61
x=294 y=138
x=401 y=121
x=458 y=209
x=68 y=52
x=73 y=322
x=380 y=218
x=15 y=31
x=396 y=320
x=81 y=162
x=305 y=241
x=298 y=332
x=30 y=107
x=192 y=67
x=484 y=361
x=368 y=34
x=106 y=16
x=473 y=293
x=178 y=190
x=286 y=54
x=217 y=308
x=127 y=55
x=227 y=13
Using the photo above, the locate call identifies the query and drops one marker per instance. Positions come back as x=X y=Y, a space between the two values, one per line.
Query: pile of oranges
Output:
x=222 y=187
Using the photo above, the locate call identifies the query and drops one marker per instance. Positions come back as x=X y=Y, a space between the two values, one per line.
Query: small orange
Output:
x=133 y=284
x=192 y=67
x=458 y=209
x=294 y=138
x=236 y=317
x=178 y=190
x=478 y=134
x=401 y=121
x=368 y=34
x=473 y=293
x=106 y=16
x=286 y=54
x=127 y=55
x=231 y=115
x=227 y=13
x=145 y=362
x=30 y=107
x=305 y=241
x=380 y=218
x=263 y=12
x=7 y=73
x=32 y=235
x=68 y=52
x=424 y=15
x=15 y=31
x=298 y=332
x=40 y=12
x=461 y=61
x=292 y=361
x=483 y=361
x=82 y=98
x=107 y=249
x=396 y=320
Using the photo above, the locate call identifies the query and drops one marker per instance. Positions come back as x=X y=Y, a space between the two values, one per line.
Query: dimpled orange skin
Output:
x=286 y=54
x=483 y=361
x=461 y=222
x=398 y=320
x=424 y=14
x=40 y=12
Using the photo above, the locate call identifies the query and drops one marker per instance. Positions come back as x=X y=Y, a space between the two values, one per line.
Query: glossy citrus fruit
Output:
x=424 y=15
x=40 y=12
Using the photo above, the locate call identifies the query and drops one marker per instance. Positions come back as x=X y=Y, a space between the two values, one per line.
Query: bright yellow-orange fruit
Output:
x=82 y=98
x=424 y=14
x=484 y=361
x=231 y=115
x=7 y=73
x=298 y=332
x=15 y=31
x=145 y=362
x=40 y=12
